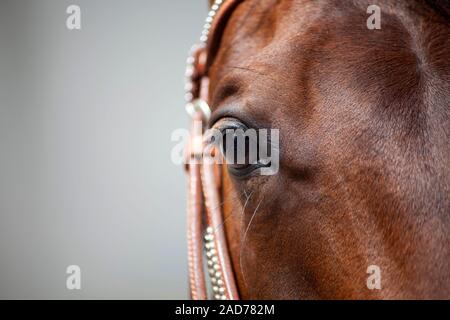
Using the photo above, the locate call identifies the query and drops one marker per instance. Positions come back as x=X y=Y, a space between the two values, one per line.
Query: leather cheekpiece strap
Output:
x=205 y=223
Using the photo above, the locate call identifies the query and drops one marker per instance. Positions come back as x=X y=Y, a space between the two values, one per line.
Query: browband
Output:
x=205 y=230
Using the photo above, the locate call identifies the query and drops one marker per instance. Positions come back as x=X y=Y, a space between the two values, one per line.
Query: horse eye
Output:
x=240 y=147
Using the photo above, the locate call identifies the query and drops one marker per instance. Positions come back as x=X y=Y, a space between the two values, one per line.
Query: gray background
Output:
x=85 y=171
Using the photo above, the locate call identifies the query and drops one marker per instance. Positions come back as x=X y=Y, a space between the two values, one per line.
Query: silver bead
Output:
x=189 y=71
x=190 y=60
x=209 y=237
x=188 y=86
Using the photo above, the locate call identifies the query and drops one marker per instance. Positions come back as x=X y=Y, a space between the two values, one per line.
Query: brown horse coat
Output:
x=364 y=120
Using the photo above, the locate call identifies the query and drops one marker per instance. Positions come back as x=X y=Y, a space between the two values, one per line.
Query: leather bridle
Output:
x=205 y=229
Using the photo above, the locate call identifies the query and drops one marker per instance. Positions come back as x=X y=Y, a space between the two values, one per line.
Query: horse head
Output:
x=364 y=126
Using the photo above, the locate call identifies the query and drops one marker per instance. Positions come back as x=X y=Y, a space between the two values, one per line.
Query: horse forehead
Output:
x=273 y=32
x=290 y=45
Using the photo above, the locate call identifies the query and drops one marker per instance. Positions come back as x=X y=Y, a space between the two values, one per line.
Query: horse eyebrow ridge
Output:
x=249 y=69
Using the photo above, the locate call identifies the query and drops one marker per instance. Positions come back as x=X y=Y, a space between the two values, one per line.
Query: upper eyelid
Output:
x=233 y=110
x=218 y=116
x=242 y=109
x=224 y=123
